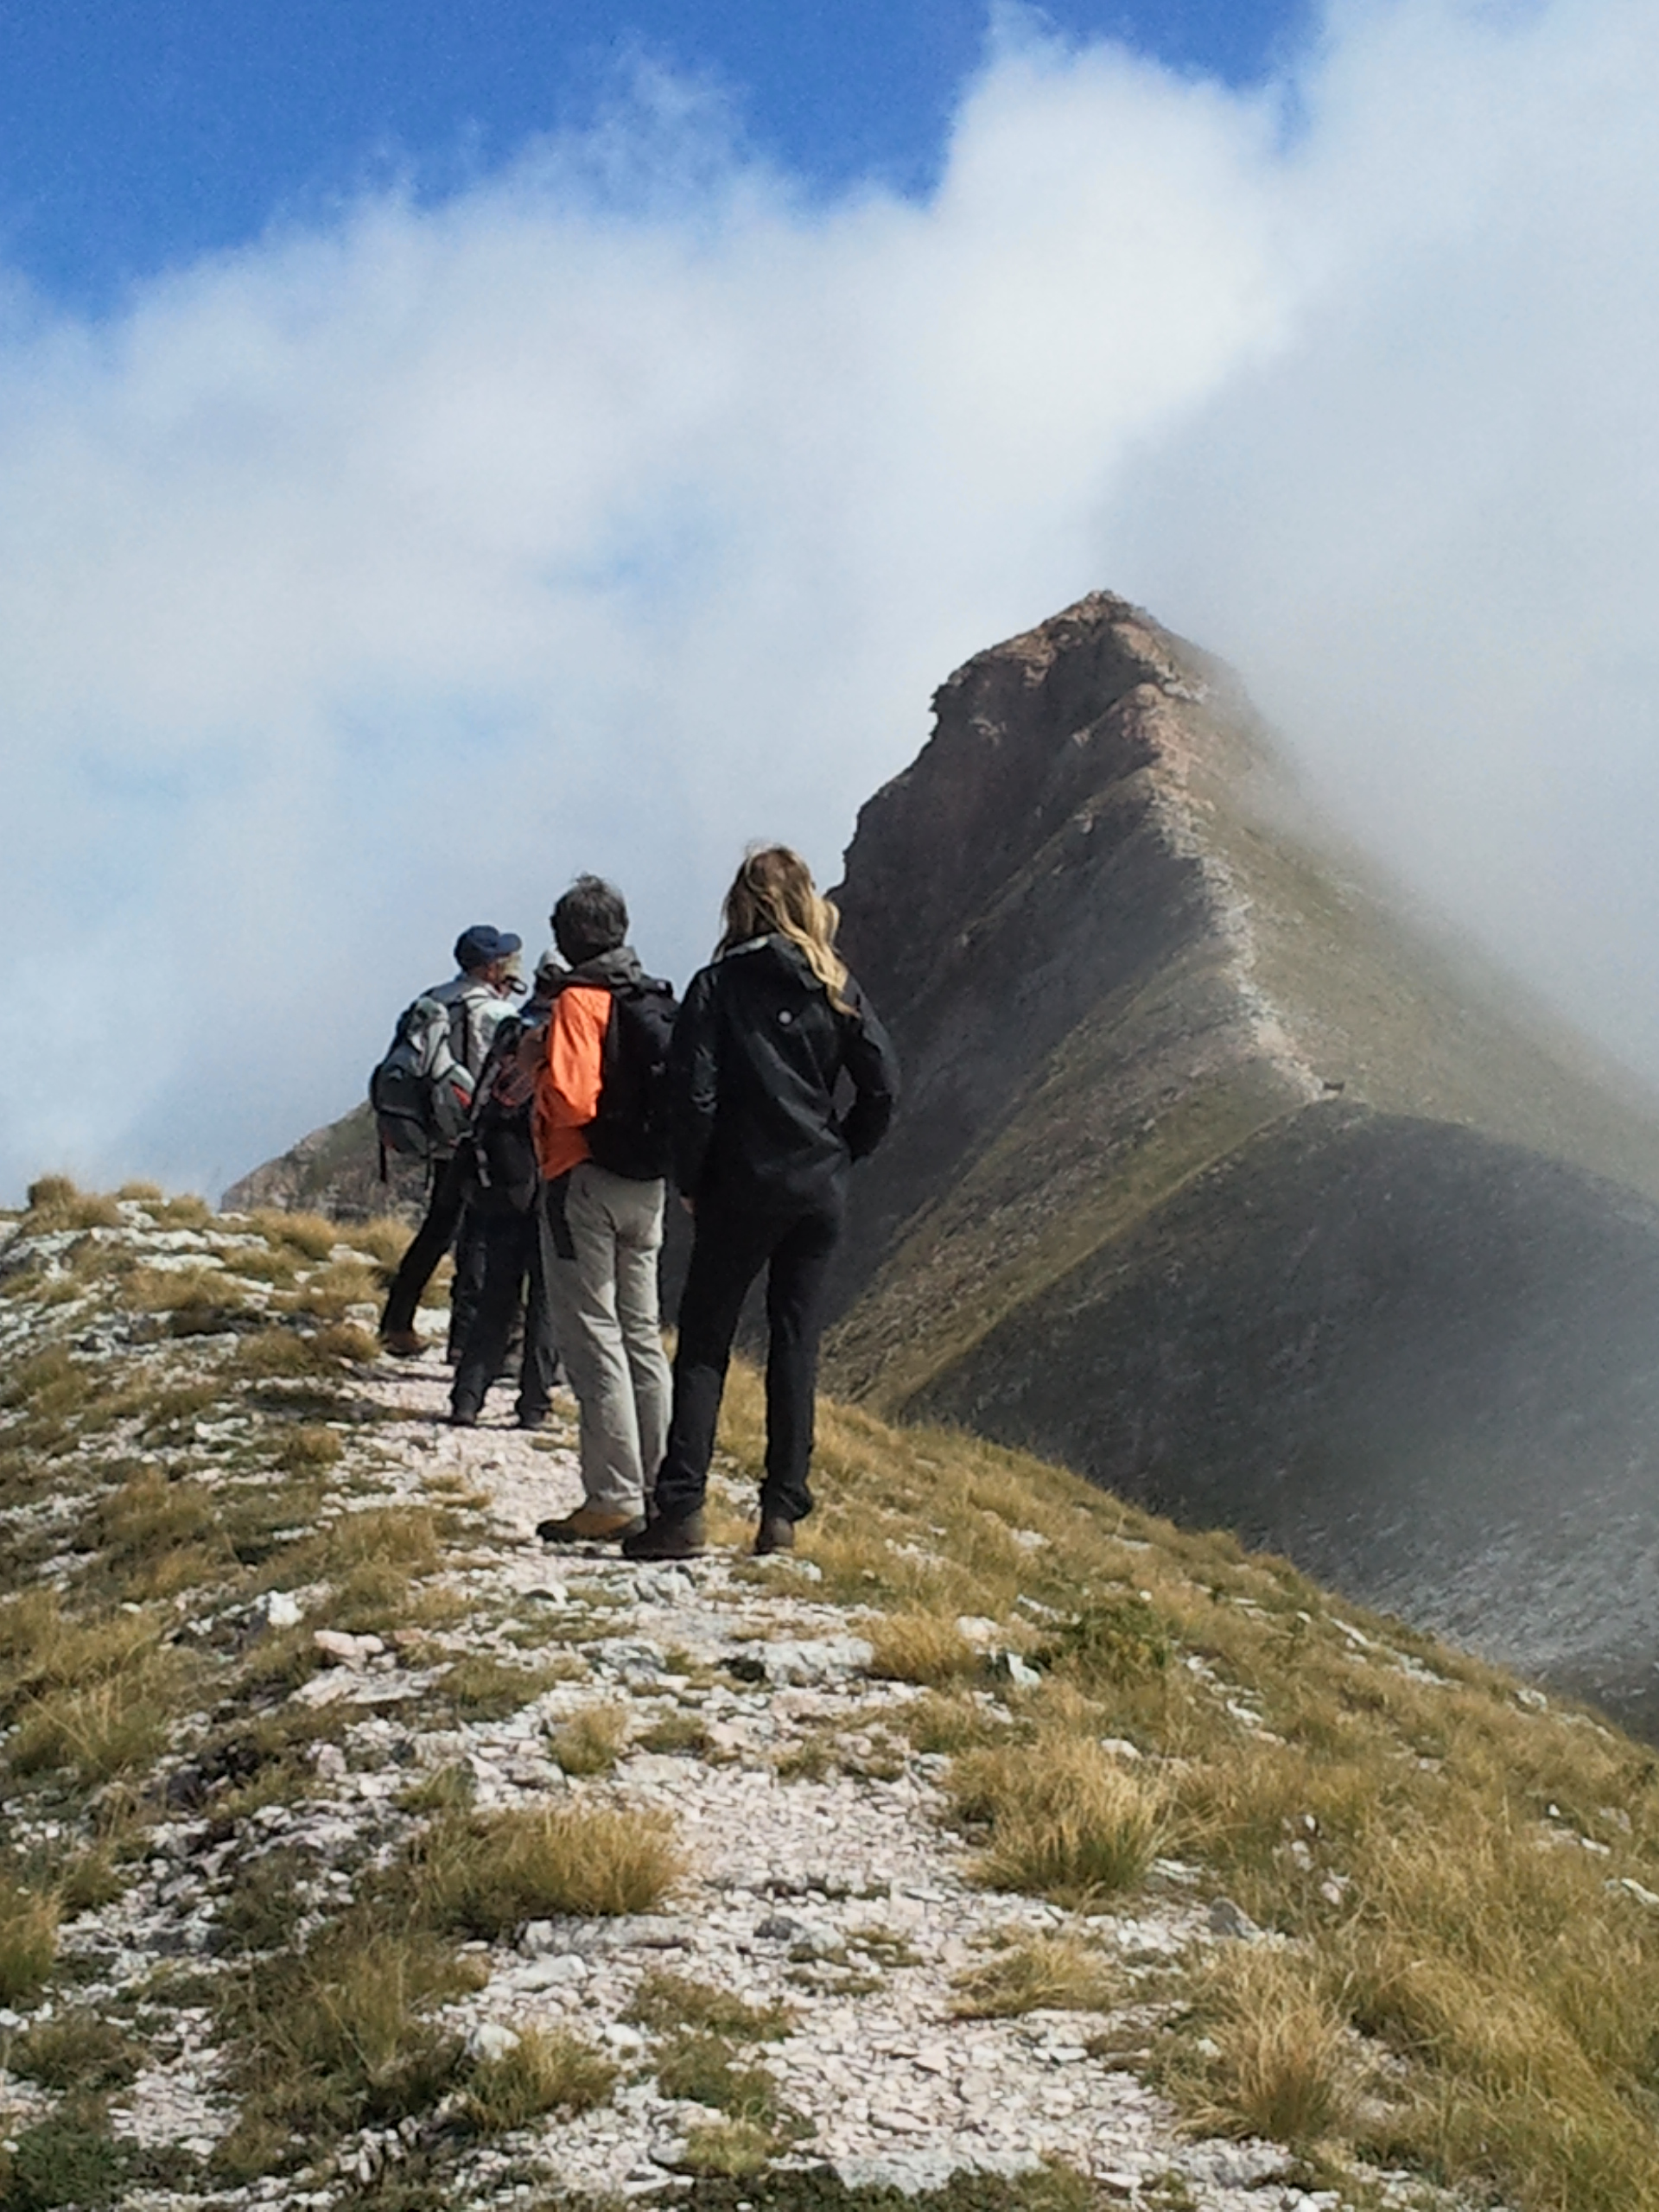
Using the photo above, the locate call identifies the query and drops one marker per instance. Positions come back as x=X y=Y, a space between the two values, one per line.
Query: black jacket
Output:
x=757 y=1054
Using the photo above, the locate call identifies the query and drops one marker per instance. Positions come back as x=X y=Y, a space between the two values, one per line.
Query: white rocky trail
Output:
x=846 y=1898
x=823 y=1874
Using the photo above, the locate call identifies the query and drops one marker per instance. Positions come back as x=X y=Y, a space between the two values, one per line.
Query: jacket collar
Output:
x=612 y=971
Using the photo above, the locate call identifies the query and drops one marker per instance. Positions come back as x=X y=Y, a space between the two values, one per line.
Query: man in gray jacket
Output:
x=480 y=997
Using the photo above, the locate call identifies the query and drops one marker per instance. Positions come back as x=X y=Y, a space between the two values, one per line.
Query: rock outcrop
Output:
x=334 y=1171
x=1223 y=1179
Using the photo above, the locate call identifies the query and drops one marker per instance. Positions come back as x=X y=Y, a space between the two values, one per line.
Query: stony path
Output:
x=834 y=1887
x=844 y=1899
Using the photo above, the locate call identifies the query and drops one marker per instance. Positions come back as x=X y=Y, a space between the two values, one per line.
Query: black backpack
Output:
x=629 y=1134
x=503 y=1150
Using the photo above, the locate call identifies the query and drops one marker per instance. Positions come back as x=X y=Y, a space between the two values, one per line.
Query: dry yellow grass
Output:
x=385 y=1239
x=1062 y=1818
x=179 y=1290
x=55 y=1202
x=1275 y=2059
x=486 y=1873
x=590 y=1741
x=1035 y=1972
x=1463 y=1988
x=727 y=2150
x=28 y=1941
x=344 y=2028
x=43 y=1648
x=103 y=1730
x=1397 y=1833
x=918 y=1647
x=310 y=1234
x=548 y=2069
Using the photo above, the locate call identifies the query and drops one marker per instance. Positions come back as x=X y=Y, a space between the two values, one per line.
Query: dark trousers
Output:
x=444 y=1218
x=731 y=1247
x=511 y=1248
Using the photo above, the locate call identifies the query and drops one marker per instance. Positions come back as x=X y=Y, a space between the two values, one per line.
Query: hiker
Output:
x=478 y=998
x=503 y=1207
x=601 y=1138
x=761 y=1158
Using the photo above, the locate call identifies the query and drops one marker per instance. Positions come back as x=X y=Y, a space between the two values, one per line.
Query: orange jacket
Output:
x=568 y=1076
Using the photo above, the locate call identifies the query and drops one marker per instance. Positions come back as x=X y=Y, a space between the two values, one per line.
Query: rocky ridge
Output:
x=202 y=1456
x=1228 y=1179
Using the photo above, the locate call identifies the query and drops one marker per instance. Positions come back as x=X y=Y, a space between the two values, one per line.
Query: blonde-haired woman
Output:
x=761 y=1155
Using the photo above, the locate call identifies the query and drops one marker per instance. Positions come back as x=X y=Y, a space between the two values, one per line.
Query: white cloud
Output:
x=371 y=581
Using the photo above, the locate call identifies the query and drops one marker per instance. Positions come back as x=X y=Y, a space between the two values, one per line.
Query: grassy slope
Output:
x=1393 y=1014
x=1462 y=1989
x=1465 y=1986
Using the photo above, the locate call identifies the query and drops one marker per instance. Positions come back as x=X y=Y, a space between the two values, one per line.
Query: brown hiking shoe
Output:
x=775 y=1534
x=590 y=1524
x=402 y=1343
x=683 y=1537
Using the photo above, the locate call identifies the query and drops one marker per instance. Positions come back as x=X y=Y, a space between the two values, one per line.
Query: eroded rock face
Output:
x=334 y=1171
x=1221 y=1179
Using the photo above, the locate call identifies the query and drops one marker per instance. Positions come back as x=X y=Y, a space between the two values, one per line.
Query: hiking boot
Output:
x=683 y=1537
x=775 y=1534
x=463 y=1415
x=402 y=1343
x=532 y=1419
x=590 y=1524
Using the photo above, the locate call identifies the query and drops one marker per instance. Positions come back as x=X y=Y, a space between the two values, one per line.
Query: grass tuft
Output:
x=309 y=1449
x=1118 y=1641
x=310 y=1234
x=921 y=1647
x=1039 y=1973
x=1273 y=2058
x=67 y=2158
x=28 y=1941
x=76 y=2051
x=548 y=2070
x=483 y=1688
x=664 y=2000
x=704 y=2068
x=590 y=1741
x=486 y=1873
x=727 y=2150
x=338 y=2036
x=55 y=1202
x=1064 y=1820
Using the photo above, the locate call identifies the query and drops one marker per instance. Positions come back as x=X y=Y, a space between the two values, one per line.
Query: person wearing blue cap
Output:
x=479 y=998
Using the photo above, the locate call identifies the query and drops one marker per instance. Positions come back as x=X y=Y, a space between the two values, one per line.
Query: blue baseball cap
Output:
x=477 y=946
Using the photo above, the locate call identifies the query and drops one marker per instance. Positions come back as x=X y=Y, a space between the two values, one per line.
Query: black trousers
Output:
x=731 y=1247
x=445 y=1222
x=511 y=1244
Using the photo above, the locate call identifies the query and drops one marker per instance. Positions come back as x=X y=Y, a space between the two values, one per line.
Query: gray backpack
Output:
x=421 y=1092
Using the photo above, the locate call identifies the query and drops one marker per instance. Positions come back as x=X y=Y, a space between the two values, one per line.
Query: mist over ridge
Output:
x=621 y=521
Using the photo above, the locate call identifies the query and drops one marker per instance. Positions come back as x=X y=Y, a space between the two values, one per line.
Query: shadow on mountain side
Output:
x=1423 y=1364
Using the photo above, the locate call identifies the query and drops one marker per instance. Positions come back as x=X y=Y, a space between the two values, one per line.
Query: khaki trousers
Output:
x=602 y=1233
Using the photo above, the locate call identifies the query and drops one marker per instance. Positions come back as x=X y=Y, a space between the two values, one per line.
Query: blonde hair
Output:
x=772 y=894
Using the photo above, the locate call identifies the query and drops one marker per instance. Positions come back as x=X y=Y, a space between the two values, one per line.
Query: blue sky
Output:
x=437 y=460
x=137 y=135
